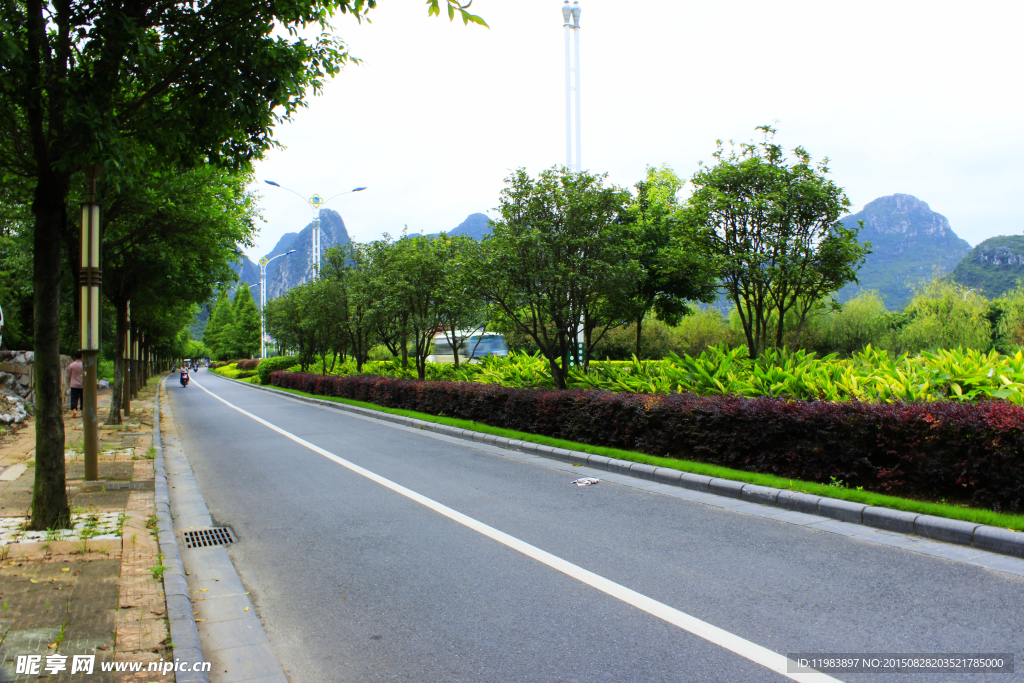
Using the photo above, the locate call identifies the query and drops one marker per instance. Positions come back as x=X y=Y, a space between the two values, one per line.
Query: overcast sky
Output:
x=921 y=98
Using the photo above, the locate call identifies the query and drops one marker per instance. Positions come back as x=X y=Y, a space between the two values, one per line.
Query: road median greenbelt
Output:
x=982 y=537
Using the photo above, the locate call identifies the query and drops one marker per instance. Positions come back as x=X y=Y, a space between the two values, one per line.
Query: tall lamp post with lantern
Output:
x=263 y=298
x=315 y=202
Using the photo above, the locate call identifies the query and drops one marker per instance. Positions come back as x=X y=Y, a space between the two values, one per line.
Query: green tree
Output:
x=247 y=323
x=101 y=83
x=773 y=229
x=284 y=323
x=219 y=334
x=674 y=268
x=164 y=238
x=944 y=316
x=555 y=260
x=357 y=298
x=410 y=272
x=464 y=312
x=860 y=321
x=324 y=320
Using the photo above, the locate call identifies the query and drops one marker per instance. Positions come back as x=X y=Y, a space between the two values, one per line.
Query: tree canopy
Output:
x=557 y=259
x=773 y=230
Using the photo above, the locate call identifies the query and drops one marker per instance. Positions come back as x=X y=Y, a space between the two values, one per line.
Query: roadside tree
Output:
x=356 y=298
x=93 y=83
x=283 y=320
x=674 y=267
x=247 y=323
x=557 y=260
x=164 y=239
x=773 y=230
x=464 y=312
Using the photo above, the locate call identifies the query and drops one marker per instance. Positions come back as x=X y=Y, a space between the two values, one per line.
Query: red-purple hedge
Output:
x=941 y=449
x=249 y=364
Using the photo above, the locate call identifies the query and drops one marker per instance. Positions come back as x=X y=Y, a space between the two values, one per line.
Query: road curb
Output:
x=182 y=622
x=955 y=531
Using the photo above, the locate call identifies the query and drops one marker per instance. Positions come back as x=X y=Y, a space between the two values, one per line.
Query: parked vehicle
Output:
x=477 y=345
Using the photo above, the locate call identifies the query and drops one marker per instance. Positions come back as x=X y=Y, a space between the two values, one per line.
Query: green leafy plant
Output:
x=159 y=569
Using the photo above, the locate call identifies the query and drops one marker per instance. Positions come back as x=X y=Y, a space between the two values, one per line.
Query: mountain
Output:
x=993 y=267
x=910 y=243
x=476 y=225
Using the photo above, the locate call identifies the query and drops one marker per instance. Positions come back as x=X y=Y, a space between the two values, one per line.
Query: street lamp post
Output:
x=89 y=280
x=571 y=19
x=571 y=23
x=126 y=362
x=263 y=299
x=315 y=202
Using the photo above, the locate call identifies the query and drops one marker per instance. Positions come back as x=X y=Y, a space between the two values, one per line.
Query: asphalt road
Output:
x=355 y=582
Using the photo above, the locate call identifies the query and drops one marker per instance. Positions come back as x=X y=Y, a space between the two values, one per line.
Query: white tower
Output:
x=571 y=19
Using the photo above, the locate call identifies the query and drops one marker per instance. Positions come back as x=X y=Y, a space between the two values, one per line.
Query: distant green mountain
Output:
x=910 y=243
x=993 y=267
x=476 y=225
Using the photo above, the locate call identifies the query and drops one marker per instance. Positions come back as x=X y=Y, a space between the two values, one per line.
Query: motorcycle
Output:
x=184 y=379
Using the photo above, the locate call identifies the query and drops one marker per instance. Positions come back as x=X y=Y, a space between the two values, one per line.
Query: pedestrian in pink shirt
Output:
x=75 y=382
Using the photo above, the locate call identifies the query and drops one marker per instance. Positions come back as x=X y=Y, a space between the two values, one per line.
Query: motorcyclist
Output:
x=184 y=376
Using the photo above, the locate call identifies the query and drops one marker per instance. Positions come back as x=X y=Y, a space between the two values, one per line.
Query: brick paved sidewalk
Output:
x=96 y=589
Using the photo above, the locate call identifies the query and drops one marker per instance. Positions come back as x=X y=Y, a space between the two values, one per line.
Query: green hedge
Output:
x=269 y=365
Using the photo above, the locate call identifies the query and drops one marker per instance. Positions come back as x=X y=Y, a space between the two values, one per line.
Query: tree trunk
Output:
x=639 y=338
x=405 y=352
x=49 y=493
x=114 y=413
x=556 y=372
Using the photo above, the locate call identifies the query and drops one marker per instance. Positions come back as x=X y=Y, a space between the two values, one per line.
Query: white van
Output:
x=476 y=346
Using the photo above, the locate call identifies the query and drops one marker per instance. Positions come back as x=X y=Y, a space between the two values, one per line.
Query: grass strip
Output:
x=967 y=514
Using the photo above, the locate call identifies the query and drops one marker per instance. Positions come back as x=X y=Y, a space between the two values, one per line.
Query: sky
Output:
x=921 y=98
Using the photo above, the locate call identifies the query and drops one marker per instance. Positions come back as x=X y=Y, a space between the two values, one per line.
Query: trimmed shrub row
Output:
x=249 y=364
x=273 y=364
x=961 y=451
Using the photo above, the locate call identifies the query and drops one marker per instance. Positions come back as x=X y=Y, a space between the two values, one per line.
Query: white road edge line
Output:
x=744 y=648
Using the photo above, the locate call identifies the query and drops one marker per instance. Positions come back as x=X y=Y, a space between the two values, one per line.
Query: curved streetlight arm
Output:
x=358 y=189
x=264 y=265
x=304 y=200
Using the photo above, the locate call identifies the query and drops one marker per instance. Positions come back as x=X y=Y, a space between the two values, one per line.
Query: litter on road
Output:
x=585 y=481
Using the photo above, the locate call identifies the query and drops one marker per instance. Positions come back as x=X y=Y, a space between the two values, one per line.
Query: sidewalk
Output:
x=95 y=589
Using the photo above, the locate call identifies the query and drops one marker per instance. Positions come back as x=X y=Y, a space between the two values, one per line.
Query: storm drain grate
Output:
x=204 y=538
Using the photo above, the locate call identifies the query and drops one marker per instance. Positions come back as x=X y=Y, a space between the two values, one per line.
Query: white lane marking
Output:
x=744 y=648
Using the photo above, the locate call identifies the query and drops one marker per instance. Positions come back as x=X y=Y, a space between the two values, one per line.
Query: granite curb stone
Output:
x=667 y=475
x=998 y=540
x=890 y=520
x=992 y=539
x=843 y=510
x=642 y=471
x=182 y=622
x=696 y=482
x=798 y=502
x=942 y=529
x=726 y=487
x=764 y=495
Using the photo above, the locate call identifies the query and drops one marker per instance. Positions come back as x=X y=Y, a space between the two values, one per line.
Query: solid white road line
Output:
x=752 y=651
